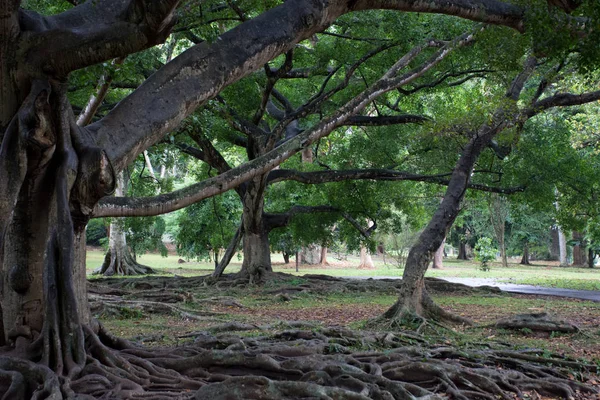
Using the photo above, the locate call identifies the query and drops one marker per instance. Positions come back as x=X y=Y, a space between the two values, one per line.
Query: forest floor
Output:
x=159 y=311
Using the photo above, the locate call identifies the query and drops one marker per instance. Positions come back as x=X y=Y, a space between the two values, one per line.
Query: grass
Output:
x=542 y=274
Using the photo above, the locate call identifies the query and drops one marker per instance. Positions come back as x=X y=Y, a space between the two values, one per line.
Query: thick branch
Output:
x=562 y=100
x=234 y=177
x=95 y=31
x=201 y=72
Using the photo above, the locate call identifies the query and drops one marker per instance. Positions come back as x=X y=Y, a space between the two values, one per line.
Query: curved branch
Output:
x=202 y=71
x=234 y=177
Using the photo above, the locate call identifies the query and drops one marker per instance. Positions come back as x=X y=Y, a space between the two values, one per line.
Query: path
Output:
x=591 y=295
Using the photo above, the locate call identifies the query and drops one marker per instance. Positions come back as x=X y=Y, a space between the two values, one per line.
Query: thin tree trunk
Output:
x=229 y=252
x=591 y=257
x=562 y=248
x=525 y=258
x=579 y=258
x=438 y=257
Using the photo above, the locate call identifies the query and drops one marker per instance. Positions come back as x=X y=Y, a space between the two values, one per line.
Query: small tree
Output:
x=485 y=252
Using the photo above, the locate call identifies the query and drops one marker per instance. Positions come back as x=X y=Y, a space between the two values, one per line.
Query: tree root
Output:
x=291 y=365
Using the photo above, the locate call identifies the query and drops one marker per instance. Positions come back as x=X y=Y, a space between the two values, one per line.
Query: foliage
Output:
x=208 y=226
x=485 y=252
x=95 y=231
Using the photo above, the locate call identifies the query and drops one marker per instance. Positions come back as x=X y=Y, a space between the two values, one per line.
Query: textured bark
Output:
x=438 y=256
x=256 y=247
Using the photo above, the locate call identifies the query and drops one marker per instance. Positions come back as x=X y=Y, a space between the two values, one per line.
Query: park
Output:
x=301 y=199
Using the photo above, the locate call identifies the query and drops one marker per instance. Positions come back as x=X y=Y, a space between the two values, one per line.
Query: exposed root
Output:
x=290 y=365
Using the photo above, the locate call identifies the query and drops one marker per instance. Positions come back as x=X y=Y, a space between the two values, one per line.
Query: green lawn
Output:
x=538 y=274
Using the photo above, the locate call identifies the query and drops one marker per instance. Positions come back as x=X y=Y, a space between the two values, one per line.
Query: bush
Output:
x=485 y=252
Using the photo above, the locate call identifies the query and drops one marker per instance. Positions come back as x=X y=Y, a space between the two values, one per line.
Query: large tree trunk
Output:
x=47 y=183
x=118 y=259
x=438 y=257
x=311 y=255
x=525 y=258
x=256 y=248
x=366 y=262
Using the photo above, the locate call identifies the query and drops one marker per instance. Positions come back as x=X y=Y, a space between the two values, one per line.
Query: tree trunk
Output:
x=462 y=251
x=366 y=262
x=579 y=256
x=229 y=252
x=286 y=257
x=438 y=257
x=311 y=255
x=591 y=257
x=256 y=248
x=324 y=255
x=48 y=182
x=562 y=248
x=554 y=245
x=118 y=259
x=525 y=258
x=414 y=301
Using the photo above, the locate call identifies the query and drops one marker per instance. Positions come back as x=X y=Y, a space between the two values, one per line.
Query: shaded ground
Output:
x=315 y=324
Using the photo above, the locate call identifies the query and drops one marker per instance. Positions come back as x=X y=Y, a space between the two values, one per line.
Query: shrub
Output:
x=485 y=252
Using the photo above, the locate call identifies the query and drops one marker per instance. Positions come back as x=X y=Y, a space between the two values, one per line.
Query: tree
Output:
x=414 y=301
x=63 y=169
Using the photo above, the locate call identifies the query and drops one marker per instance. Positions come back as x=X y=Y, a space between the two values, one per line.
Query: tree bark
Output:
x=438 y=257
x=591 y=257
x=256 y=247
x=324 y=251
x=462 y=251
x=562 y=248
x=525 y=258
x=311 y=255
x=579 y=255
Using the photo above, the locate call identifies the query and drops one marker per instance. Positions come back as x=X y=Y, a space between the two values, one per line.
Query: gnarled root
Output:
x=293 y=364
